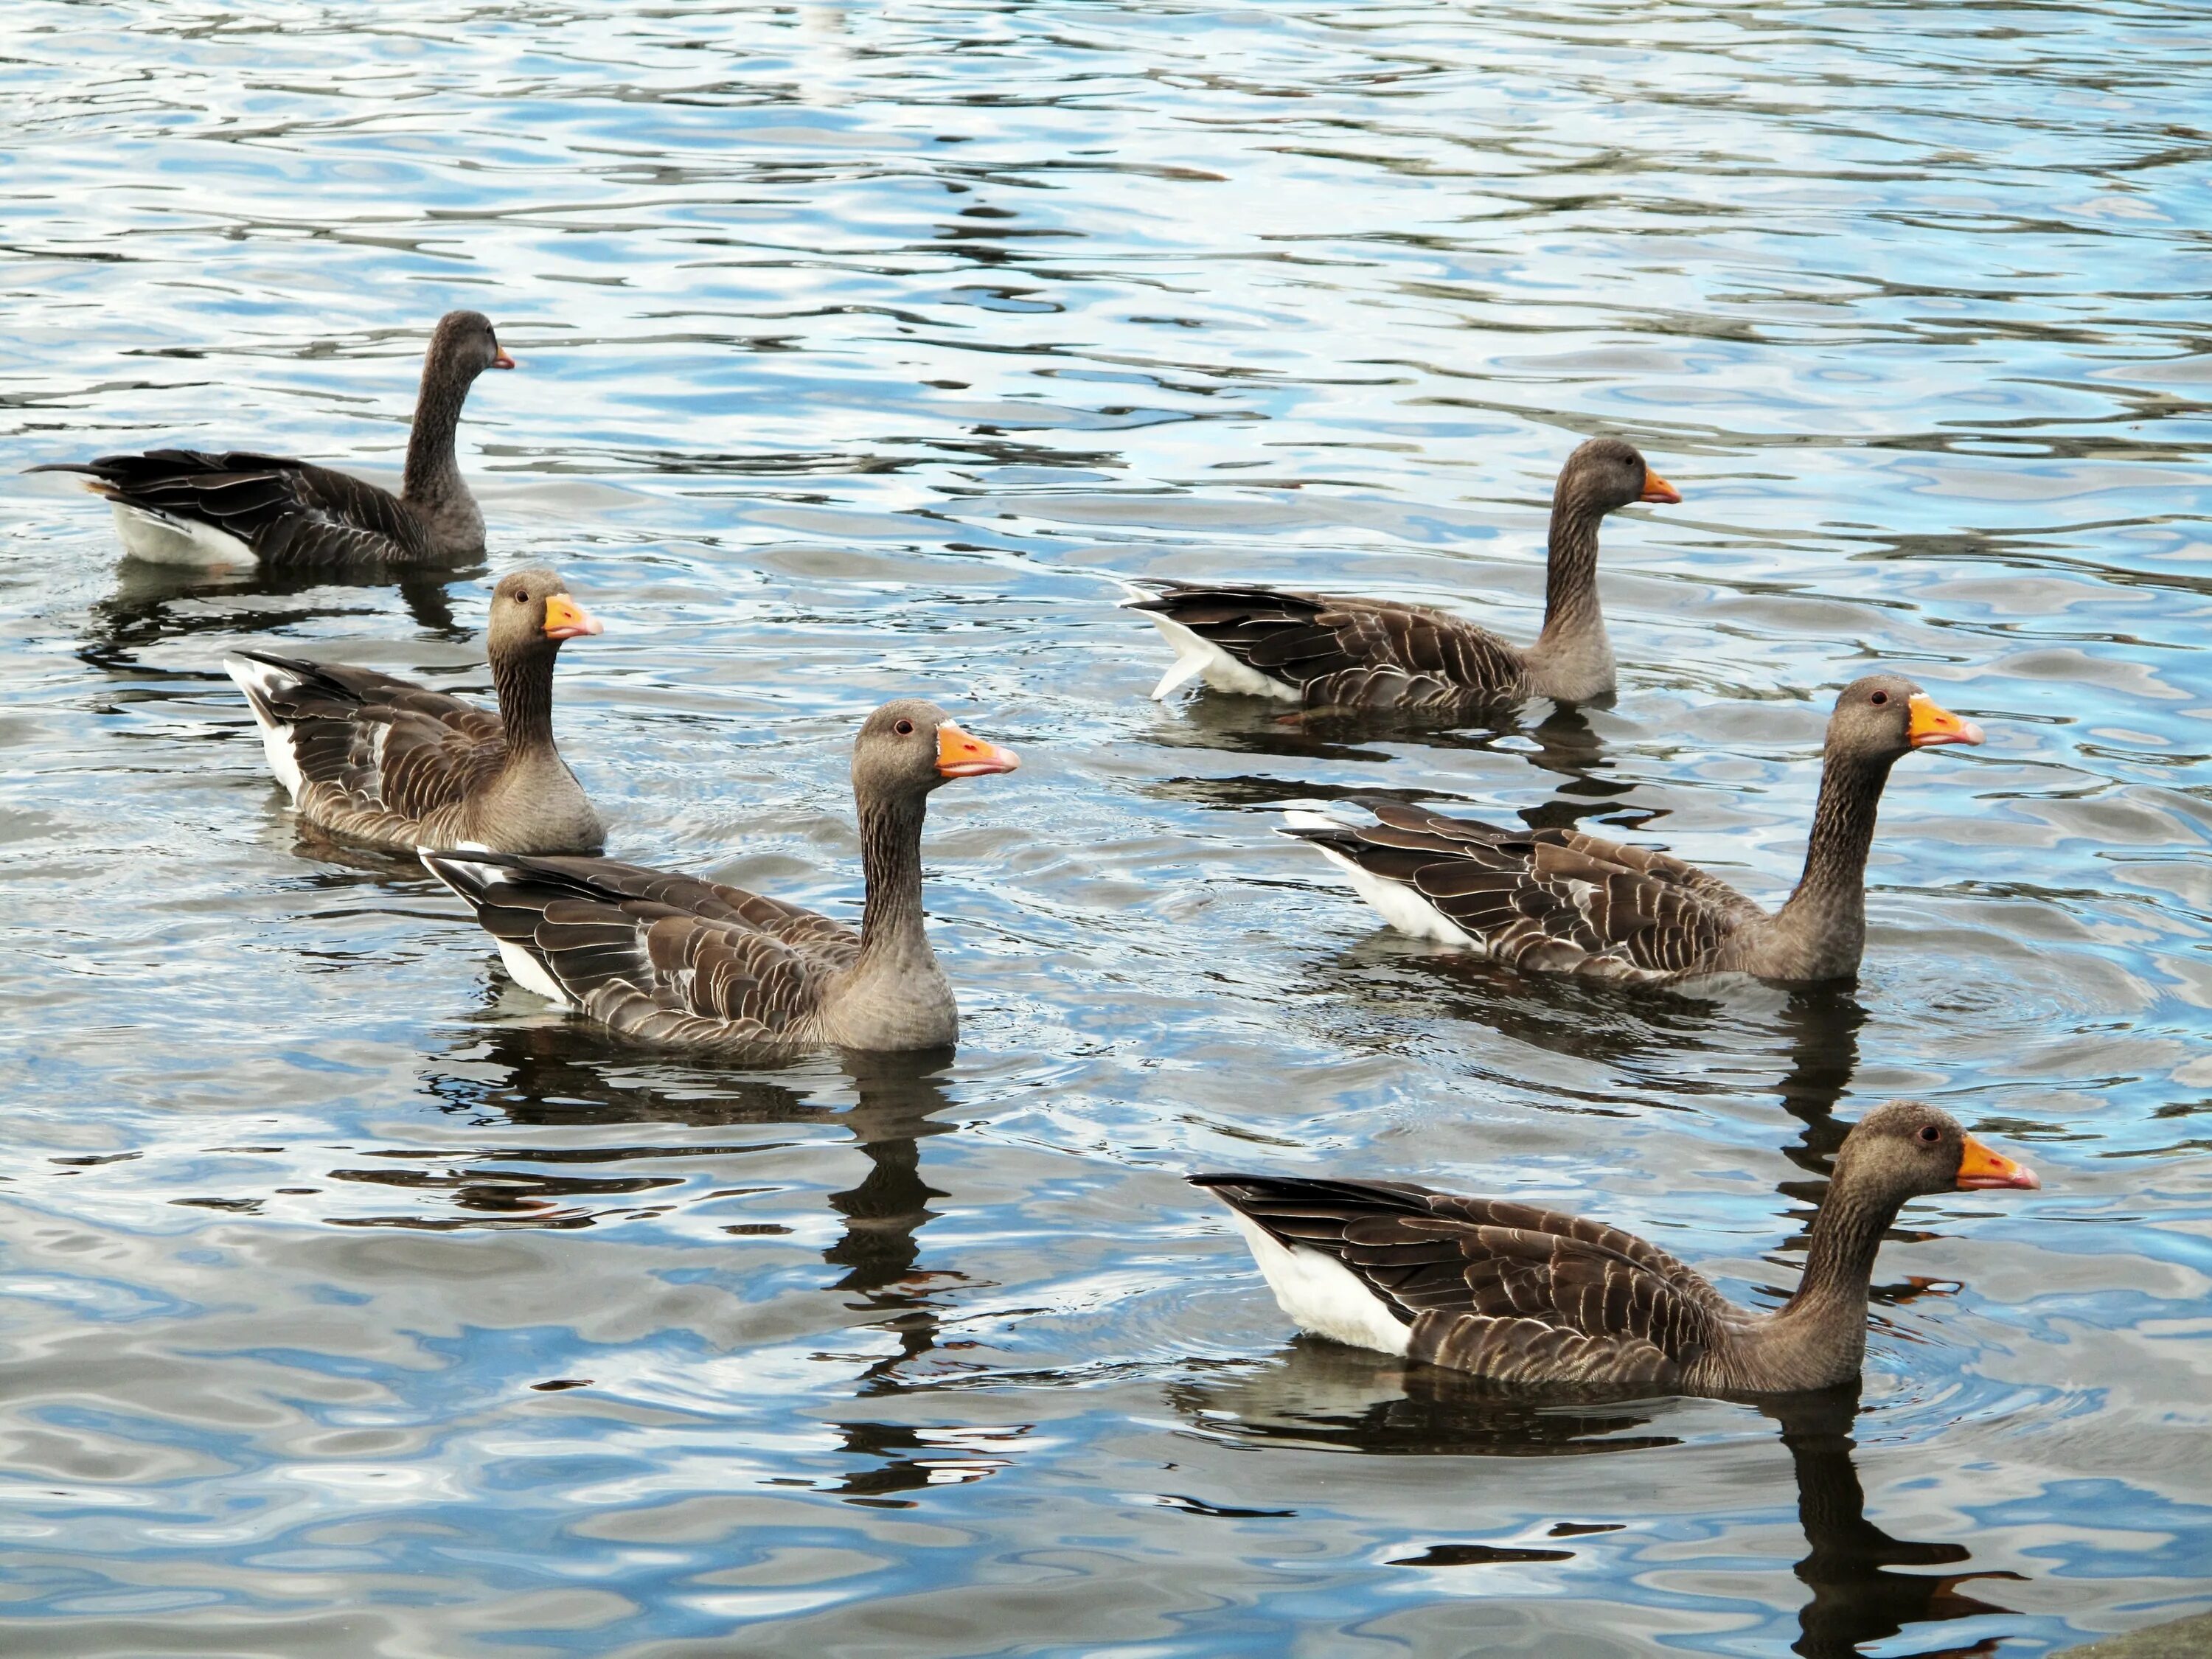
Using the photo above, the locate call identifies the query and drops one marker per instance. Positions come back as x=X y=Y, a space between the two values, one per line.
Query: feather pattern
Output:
x=660 y=957
x=1504 y=1290
x=1326 y=651
x=386 y=762
x=200 y=506
x=1555 y=900
x=1518 y=1294
x=672 y=959
x=1564 y=902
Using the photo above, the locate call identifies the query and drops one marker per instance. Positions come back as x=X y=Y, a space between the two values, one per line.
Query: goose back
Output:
x=1329 y=652
x=1552 y=900
x=1503 y=1289
x=659 y=957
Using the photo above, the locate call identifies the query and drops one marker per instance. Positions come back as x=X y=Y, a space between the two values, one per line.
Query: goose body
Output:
x=1325 y=651
x=669 y=959
x=200 y=507
x=1517 y=1294
x=1563 y=901
x=386 y=762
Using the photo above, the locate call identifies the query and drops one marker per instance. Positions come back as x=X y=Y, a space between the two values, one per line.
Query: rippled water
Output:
x=353 y=1305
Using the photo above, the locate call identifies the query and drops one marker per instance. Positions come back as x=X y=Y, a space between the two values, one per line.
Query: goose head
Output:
x=1883 y=716
x=532 y=610
x=463 y=346
x=1905 y=1149
x=1606 y=473
x=908 y=748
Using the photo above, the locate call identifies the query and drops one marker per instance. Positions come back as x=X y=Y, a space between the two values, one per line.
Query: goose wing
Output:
x=1555 y=899
x=287 y=511
x=665 y=957
x=1498 y=1288
x=1346 y=651
x=370 y=754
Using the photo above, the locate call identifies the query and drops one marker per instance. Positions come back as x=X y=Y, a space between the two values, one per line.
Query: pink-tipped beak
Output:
x=961 y=755
x=1932 y=725
x=567 y=620
x=1979 y=1167
x=502 y=360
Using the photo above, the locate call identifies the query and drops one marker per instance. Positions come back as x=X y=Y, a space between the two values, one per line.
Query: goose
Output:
x=389 y=764
x=1517 y=1294
x=1326 y=651
x=1560 y=900
x=663 y=958
x=193 y=507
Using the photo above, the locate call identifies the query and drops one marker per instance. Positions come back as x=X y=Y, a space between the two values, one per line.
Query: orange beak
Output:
x=1656 y=488
x=498 y=357
x=1932 y=725
x=1980 y=1167
x=959 y=756
x=565 y=619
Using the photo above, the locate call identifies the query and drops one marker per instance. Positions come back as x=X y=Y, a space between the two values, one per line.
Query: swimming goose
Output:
x=1326 y=651
x=1564 y=902
x=1516 y=1294
x=393 y=764
x=666 y=959
x=194 y=508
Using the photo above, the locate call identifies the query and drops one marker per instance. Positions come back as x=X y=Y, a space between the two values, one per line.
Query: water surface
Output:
x=356 y=1306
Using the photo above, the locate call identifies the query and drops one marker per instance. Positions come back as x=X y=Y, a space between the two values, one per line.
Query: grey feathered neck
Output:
x=432 y=478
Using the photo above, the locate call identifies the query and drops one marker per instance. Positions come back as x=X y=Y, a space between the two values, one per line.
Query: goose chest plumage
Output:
x=1517 y=1294
x=1563 y=901
x=199 y=508
x=663 y=958
x=1325 y=651
x=388 y=764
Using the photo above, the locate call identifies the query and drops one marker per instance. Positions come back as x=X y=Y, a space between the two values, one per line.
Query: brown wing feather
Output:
x=655 y=955
x=287 y=511
x=382 y=759
x=1556 y=900
x=1350 y=653
x=1502 y=1289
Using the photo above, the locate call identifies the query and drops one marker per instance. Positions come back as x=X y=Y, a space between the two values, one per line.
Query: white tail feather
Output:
x=160 y=540
x=1197 y=657
x=260 y=681
x=1323 y=1296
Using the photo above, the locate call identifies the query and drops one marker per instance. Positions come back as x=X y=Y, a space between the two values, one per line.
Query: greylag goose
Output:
x=1517 y=1294
x=666 y=959
x=390 y=764
x=1564 y=902
x=1325 y=652
x=195 y=507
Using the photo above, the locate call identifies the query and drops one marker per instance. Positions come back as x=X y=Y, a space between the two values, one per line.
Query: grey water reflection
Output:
x=1318 y=1395
x=351 y=1301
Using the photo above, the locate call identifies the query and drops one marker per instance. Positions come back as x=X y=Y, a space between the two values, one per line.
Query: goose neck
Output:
x=891 y=928
x=1571 y=602
x=1830 y=901
x=524 y=679
x=1839 y=1256
x=433 y=474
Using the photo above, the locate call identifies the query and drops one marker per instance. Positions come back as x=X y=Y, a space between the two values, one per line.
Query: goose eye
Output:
x=1929 y=1132
x=1879 y=698
x=904 y=728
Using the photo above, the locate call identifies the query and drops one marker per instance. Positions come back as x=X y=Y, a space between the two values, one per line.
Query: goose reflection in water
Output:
x=155 y=603
x=1320 y=1396
x=548 y=1077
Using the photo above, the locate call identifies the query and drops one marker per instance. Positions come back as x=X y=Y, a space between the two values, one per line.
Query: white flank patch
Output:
x=530 y=974
x=1198 y=659
x=160 y=540
x=1395 y=902
x=1322 y=1295
x=259 y=681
